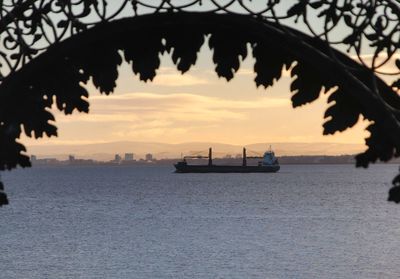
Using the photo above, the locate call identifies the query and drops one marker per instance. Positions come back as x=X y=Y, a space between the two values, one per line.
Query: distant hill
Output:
x=106 y=151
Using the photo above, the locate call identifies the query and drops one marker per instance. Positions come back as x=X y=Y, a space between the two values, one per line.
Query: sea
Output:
x=306 y=221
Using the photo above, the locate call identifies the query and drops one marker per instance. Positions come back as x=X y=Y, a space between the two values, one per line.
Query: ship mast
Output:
x=244 y=157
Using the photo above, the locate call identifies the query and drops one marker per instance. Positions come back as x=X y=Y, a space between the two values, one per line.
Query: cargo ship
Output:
x=269 y=163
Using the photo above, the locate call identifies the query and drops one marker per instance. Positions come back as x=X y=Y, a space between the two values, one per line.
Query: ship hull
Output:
x=224 y=169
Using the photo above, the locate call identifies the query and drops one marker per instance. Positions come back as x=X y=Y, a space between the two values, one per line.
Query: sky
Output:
x=197 y=106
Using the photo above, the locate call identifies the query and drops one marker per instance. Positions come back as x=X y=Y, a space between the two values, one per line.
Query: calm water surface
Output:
x=147 y=222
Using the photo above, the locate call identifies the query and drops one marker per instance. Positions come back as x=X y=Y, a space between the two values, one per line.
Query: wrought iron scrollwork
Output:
x=29 y=27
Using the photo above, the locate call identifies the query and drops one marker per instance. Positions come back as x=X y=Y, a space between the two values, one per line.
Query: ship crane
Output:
x=195 y=157
x=209 y=157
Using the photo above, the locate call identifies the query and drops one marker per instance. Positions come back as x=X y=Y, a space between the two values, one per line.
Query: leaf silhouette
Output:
x=40 y=124
x=396 y=84
x=307 y=84
x=394 y=193
x=380 y=146
x=298 y=9
x=11 y=152
x=101 y=63
x=143 y=52
x=227 y=59
x=270 y=62
x=3 y=195
x=184 y=45
x=343 y=114
x=64 y=83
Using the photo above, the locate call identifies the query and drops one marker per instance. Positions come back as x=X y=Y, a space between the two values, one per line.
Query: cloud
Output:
x=150 y=101
x=245 y=72
x=250 y=72
x=168 y=109
x=57 y=141
x=162 y=117
x=172 y=78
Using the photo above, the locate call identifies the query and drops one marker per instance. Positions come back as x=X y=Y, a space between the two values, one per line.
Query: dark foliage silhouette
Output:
x=50 y=49
x=3 y=196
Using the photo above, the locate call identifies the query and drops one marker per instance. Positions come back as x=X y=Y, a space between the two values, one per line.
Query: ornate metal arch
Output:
x=50 y=46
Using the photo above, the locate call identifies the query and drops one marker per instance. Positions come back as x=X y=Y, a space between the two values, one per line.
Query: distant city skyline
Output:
x=127 y=150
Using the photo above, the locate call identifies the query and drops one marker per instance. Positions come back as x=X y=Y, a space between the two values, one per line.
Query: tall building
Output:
x=149 y=157
x=128 y=157
x=117 y=158
x=71 y=158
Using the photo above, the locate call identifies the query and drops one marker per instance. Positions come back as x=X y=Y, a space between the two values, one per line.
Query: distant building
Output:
x=33 y=158
x=149 y=157
x=47 y=161
x=117 y=158
x=71 y=158
x=128 y=157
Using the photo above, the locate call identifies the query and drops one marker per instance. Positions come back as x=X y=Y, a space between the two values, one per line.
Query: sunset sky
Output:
x=197 y=106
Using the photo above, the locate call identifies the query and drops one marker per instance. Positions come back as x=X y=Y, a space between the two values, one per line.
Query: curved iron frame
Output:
x=29 y=27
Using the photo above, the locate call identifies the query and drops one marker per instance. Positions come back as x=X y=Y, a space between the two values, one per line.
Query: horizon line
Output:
x=191 y=142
